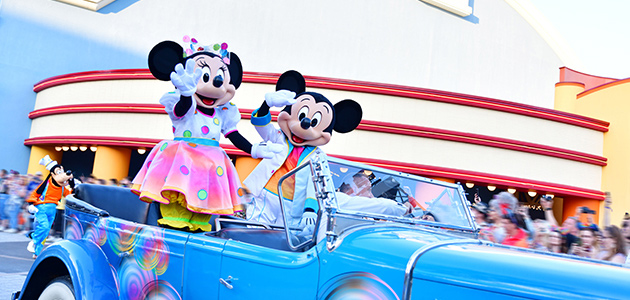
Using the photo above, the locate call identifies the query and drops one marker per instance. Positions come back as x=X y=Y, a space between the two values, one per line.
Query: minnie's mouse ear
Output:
x=292 y=81
x=163 y=58
x=348 y=114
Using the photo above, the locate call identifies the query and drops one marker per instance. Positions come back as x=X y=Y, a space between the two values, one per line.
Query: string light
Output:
x=492 y=188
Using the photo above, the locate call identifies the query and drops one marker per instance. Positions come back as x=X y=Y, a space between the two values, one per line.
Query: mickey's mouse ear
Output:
x=348 y=114
x=292 y=81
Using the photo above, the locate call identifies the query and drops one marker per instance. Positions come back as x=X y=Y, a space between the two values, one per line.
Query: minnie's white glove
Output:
x=32 y=209
x=266 y=150
x=280 y=98
x=186 y=79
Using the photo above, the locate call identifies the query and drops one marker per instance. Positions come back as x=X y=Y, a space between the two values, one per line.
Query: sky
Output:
x=596 y=31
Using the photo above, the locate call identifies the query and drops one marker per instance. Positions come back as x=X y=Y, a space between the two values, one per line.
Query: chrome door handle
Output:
x=226 y=282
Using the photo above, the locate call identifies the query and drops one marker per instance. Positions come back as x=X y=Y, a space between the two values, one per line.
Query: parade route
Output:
x=15 y=262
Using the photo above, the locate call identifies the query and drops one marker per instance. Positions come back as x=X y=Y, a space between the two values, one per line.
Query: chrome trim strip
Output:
x=411 y=264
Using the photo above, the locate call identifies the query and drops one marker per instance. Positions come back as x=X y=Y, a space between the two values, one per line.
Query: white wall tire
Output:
x=59 y=289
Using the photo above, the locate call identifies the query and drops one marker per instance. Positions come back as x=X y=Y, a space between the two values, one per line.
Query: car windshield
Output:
x=428 y=199
x=367 y=194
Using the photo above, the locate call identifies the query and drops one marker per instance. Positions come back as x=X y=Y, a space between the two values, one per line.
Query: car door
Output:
x=250 y=271
x=202 y=263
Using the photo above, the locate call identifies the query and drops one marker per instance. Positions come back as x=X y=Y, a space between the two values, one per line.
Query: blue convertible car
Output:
x=359 y=247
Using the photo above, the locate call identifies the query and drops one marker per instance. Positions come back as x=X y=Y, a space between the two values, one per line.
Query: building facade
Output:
x=464 y=98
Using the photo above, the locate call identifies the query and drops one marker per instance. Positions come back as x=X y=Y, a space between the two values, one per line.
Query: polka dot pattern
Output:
x=193 y=145
x=163 y=146
x=220 y=171
x=205 y=129
x=187 y=134
x=216 y=121
x=202 y=194
x=184 y=170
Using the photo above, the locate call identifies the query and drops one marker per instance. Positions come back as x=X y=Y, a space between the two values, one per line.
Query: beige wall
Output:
x=366 y=144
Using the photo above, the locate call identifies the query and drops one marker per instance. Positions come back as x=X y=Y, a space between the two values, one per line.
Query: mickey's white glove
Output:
x=280 y=98
x=308 y=218
x=266 y=150
x=32 y=209
x=186 y=79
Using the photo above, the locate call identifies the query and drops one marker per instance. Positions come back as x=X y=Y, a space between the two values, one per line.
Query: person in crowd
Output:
x=360 y=186
x=33 y=182
x=4 y=219
x=101 y=181
x=523 y=211
x=480 y=213
x=587 y=245
x=13 y=205
x=625 y=231
x=514 y=234
x=614 y=246
x=555 y=241
x=541 y=238
x=113 y=182
x=91 y=179
x=428 y=216
x=125 y=182
x=500 y=203
x=569 y=228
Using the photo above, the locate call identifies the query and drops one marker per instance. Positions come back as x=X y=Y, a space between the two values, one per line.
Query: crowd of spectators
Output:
x=15 y=188
x=503 y=220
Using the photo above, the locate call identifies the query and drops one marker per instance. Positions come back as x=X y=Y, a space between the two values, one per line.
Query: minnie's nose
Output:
x=217 y=81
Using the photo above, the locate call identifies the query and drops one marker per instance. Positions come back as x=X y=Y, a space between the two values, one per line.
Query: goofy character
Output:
x=46 y=197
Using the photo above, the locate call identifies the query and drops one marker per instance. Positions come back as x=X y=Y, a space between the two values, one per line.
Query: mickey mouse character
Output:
x=306 y=122
x=191 y=176
x=45 y=199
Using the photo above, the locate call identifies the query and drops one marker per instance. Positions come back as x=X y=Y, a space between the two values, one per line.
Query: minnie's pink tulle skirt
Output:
x=202 y=177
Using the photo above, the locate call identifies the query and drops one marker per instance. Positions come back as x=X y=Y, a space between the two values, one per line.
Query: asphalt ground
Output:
x=15 y=262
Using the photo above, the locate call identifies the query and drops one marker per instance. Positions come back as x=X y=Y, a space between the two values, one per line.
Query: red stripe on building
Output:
x=358 y=86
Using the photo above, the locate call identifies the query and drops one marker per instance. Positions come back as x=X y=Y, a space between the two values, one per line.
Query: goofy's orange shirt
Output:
x=51 y=194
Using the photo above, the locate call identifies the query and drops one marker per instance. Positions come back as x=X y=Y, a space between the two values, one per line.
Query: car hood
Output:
x=493 y=268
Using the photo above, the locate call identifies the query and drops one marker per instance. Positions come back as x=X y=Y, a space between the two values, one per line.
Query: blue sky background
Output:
x=598 y=32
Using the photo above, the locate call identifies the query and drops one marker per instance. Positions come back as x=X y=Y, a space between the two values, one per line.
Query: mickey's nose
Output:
x=305 y=123
x=217 y=81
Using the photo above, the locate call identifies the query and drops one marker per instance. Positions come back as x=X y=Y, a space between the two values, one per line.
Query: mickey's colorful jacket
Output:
x=303 y=195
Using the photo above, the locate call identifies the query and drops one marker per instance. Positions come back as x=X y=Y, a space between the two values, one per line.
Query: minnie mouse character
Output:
x=191 y=176
x=45 y=198
x=306 y=122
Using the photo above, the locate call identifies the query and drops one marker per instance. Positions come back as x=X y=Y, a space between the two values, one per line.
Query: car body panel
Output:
x=146 y=259
x=202 y=265
x=82 y=259
x=255 y=270
x=360 y=255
